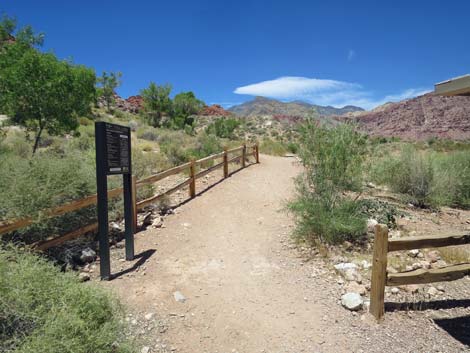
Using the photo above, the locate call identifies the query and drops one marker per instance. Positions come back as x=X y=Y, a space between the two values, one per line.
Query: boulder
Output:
x=352 y=301
x=87 y=255
x=371 y=223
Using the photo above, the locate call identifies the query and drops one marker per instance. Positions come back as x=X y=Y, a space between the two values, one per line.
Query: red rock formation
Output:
x=215 y=110
x=136 y=101
x=419 y=118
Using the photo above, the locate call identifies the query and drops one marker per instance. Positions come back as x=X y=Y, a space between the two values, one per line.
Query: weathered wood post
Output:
x=257 y=152
x=192 y=175
x=225 y=162
x=134 y=201
x=244 y=156
x=379 y=272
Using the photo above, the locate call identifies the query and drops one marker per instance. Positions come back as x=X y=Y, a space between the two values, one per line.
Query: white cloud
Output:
x=323 y=92
x=351 y=54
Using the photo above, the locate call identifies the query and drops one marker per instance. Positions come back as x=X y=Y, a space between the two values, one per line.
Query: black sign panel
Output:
x=113 y=156
x=118 y=148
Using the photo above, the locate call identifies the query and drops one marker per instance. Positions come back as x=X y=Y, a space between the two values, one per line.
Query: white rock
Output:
x=88 y=255
x=413 y=253
x=412 y=288
x=83 y=277
x=179 y=297
x=432 y=291
x=395 y=290
x=149 y=316
x=342 y=267
x=145 y=349
x=371 y=223
x=157 y=222
x=352 y=275
x=352 y=301
x=365 y=264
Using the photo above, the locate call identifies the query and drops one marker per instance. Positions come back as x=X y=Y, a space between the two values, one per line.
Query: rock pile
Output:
x=133 y=104
x=215 y=110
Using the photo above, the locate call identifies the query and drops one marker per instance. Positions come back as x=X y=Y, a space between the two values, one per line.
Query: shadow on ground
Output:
x=457 y=327
x=143 y=257
x=425 y=305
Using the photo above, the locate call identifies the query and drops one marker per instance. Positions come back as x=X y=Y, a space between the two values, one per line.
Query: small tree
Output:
x=108 y=83
x=333 y=160
x=25 y=35
x=185 y=105
x=156 y=102
x=41 y=92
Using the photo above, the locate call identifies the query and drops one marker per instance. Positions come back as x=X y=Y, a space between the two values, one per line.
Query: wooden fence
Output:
x=226 y=156
x=380 y=278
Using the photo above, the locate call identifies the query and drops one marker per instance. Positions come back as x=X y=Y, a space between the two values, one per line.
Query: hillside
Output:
x=266 y=106
x=419 y=118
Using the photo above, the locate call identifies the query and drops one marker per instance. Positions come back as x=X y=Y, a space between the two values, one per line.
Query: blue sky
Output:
x=325 y=52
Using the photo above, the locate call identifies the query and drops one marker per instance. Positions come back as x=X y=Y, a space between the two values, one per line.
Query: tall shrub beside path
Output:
x=333 y=159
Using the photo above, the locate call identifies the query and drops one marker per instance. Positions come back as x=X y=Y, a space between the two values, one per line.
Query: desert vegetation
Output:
x=46 y=311
x=331 y=204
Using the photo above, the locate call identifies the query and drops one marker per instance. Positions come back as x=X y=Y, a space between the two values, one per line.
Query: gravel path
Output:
x=246 y=286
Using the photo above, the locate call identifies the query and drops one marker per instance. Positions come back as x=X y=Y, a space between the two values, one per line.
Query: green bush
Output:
x=271 y=147
x=223 y=127
x=426 y=179
x=148 y=133
x=333 y=160
x=45 y=311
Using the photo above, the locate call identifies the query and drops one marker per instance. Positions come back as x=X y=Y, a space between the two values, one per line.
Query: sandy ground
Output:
x=247 y=289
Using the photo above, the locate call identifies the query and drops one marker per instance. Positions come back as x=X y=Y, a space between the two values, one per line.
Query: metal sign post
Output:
x=113 y=156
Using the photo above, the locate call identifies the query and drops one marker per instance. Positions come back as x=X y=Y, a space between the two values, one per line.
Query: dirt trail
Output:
x=247 y=290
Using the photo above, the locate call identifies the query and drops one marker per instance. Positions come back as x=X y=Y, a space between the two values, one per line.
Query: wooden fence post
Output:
x=379 y=272
x=192 y=175
x=134 y=201
x=257 y=152
x=225 y=162
x=244 y=156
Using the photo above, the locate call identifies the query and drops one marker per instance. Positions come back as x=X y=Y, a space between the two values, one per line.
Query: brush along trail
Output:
x=223 y=275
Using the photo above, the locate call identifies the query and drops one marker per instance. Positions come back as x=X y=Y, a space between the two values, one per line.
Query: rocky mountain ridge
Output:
x=267 y=106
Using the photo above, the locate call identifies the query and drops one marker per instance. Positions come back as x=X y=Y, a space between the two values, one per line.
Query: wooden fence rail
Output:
x=10 y=226
x=380 y=278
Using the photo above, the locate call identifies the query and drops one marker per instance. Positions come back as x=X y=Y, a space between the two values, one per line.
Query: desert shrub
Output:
x=45 y=311
x=28 y=185
x=145 y=164
x=383 y=212
x=292 y=147
x=272 y=147
x=16 y=143
x=333 y=160
x=223 y=127
x=426 y=179
x=133 y=125
x=411 y=174
x=148 y=133
x=206 y=145
x=147 y=147
x=85 y=121
x=175 y=152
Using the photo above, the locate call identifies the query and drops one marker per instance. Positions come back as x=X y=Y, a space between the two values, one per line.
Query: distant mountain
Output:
x=266 y=106
x=418 y=118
